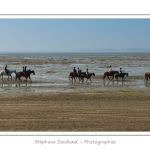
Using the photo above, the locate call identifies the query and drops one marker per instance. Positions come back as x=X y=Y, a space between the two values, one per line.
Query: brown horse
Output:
x=74 y=75
x=147 y=76
x=24 y=74
x=107 y=74
x=84 y=75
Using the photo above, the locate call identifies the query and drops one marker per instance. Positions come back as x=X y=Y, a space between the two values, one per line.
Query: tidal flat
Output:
x=52 y=102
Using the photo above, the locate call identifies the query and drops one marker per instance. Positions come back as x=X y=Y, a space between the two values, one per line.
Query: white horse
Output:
x=2 y=73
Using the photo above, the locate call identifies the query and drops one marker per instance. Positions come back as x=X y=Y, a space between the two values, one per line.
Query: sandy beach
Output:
x=53 y=103
x=95 y=111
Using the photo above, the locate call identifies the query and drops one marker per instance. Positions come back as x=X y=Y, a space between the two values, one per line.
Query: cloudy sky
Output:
x=51 y=35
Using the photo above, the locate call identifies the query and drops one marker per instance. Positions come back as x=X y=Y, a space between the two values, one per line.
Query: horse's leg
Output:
x=117 y=79
x=108 y=78
x=82 y=79
x=90 y=80
x=74 y=79
x=112 y=78
x=87 y=80
x=30 y=79
x=26 y=79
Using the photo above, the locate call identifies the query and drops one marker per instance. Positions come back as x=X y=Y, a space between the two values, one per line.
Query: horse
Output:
x=147 y=76
x=84 y=75
x=24 y=74
x=107 y=74
x=122 y=75
x=2 y=73
x=74 y=75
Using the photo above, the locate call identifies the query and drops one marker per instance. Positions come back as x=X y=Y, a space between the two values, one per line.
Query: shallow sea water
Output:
x=52 y=76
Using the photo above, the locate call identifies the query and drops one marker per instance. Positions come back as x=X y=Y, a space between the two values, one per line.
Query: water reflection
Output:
x=112 y=83
x=4 y=85
x=147 y=83
x=23 y=84
x=15 y=84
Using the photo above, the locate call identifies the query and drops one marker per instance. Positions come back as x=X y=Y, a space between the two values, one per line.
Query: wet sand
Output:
x=92 y=111
x=53 y=103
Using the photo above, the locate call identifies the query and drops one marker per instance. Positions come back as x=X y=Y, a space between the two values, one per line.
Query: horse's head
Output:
x=33 y=72
x=127 y=74
x=93 y=74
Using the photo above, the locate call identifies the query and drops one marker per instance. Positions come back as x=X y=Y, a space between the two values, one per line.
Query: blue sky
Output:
x=51 y=35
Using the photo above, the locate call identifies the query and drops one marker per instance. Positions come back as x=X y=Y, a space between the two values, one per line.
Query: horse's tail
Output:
x=69 y=76
x=146 y=76
x=16 y=76
x=104 y=76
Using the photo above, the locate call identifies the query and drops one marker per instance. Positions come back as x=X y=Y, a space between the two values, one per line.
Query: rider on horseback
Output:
x=24 y=69
x=120 y=70
x=110 y=69
x=74 y=70
x=6 y=70
x=87 y=72
x=78 y=71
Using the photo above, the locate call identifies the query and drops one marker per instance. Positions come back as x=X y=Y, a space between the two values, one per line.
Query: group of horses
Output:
x=18 y=74
x=81 y=75
x=73 y=75
x=112 y=74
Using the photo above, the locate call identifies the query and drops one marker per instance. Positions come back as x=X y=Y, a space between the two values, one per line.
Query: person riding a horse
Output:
x=120 y=70
x=110 y=69
x=24 y=69
x=74 y=70
x=78 y=71
x=87 y=72
x=6 y=70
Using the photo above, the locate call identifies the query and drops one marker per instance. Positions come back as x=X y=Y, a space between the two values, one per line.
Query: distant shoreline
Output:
x=71 y=52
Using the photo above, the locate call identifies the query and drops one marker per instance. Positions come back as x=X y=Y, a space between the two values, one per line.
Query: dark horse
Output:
x=147 y=76
x=24 y=74
x=107 y=74
x=122 y=75
x=74 y=75
x=84 y=75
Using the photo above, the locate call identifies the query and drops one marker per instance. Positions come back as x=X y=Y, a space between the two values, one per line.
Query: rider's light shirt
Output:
x=110 y=69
